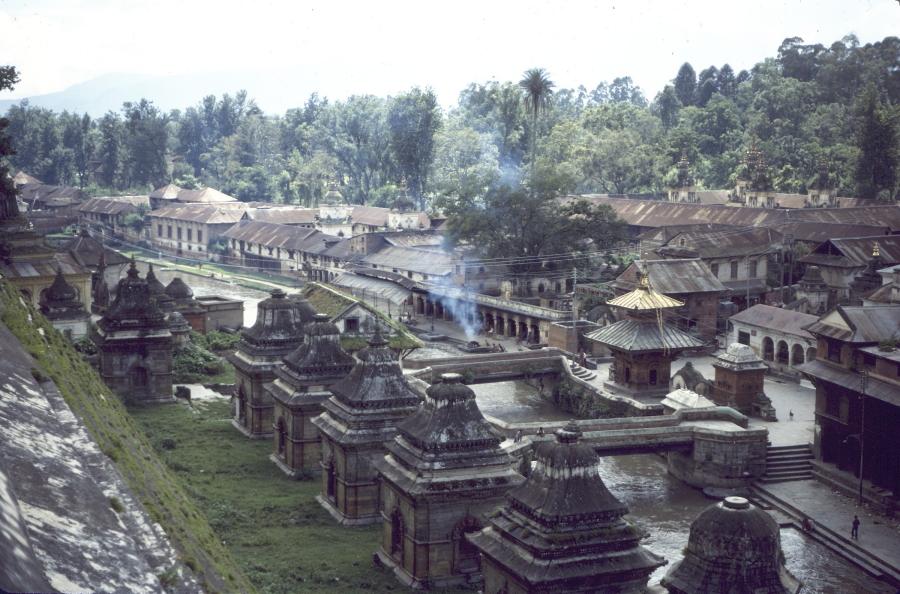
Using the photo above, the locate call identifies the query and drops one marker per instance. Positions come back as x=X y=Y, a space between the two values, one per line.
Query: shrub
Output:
x=85 y=346
x=116 y=505
x=191 y=363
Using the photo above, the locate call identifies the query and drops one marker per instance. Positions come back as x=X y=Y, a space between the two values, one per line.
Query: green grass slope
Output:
x=117 y=435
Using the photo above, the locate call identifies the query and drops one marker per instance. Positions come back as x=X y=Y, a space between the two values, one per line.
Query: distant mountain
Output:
x=275 y=90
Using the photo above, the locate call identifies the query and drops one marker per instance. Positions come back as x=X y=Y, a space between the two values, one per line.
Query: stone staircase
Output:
x=581 y=373
x=788 y=516
x=787 y=463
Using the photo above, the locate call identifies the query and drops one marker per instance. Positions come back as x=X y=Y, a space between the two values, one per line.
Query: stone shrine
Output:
x=183 y=298
x=643 y=345
x=359 y=421
x=814 y=290
x=562 y=531
x=61 y=306
x=278 y=331
x=733 y=547
x=444 y=473
x=739 y=378
x=300 y=388
x=135 y=345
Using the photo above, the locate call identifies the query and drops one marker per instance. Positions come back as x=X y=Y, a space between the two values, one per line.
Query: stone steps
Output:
x=787 y=463
x=825 y=536
x=582 y=373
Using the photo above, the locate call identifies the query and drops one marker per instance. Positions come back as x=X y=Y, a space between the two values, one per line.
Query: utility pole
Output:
x=747 y=262
x=862 y=429
x=574 y=312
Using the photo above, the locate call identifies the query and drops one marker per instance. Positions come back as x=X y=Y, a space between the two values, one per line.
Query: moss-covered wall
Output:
x=124 y=443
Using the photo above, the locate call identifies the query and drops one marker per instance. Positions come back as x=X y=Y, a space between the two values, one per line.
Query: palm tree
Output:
x=538 y=90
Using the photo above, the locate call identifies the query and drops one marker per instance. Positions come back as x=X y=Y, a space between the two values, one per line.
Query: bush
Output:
x=85 y=346
x=191 y=364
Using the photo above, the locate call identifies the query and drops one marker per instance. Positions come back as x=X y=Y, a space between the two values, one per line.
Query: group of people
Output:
x=488 y=331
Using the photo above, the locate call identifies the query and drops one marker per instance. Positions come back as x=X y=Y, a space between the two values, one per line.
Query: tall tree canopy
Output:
x=538 y=90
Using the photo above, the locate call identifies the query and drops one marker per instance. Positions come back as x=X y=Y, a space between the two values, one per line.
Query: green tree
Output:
x=111 y=150
x=685 y=84
x=135 y=221
x=465 y=161
x=538 y=90
x=668 y=106
x=146 y=140
x=876 y=172
x=414 y=118
x=513 y=223
x=250 y=184
x=8 y=79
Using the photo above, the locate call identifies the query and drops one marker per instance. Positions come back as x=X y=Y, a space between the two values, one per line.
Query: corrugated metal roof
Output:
x=843 y=377
x=209 y=215
x=642 y=337
x=672 y=277
x=109 y=207
x=384 y=289
x=431 y=262
x=857 y=251
x=776 y=318
x=42 y=193
x=45 y=268
x=283 y=216
x=22 y=178
x=651 y=214
x=393 y=277
x=370 y=215
x=289 y=237
x=86 y=250
x=734 y=242
x=821 y=232
x=741 y=287
x=413 y=239
x=859 y=324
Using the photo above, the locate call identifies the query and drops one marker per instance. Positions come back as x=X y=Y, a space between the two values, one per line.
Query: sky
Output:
x=389 y=46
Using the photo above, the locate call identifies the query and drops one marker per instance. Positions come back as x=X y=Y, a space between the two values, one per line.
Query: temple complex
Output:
x=300 y=387
x=444 y=472
x=733 y=547
x=685 y=188
x=822 y=193
x=563 y=531
x=278 y=331
x=359 y=421
x=643 y=345
x=60 y=305
x=135 y=345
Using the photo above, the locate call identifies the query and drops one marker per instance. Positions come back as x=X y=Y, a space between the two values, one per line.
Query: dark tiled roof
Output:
x=642 y=337
x=672 y=277
x=104 y=206
x=776 y=318
x=841 y=376
x=737 y=241
x=855 y=251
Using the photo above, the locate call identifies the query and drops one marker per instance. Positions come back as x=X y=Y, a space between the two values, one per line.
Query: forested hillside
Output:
x=806 y=102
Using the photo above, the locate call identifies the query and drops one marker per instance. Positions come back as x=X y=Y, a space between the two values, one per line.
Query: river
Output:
x=203 y=286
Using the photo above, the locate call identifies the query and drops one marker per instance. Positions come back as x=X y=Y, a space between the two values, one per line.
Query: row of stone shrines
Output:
x=436 y=476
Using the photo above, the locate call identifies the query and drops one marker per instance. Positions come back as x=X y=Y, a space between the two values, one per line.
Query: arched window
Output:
x=279 y=436
x=797 y=355
x=768 y=349
x=330 y=480
x=467 y=558
x=783 y=355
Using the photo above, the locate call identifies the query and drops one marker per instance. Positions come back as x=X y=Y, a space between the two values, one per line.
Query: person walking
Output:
x=791 y=415
x=518 y=436
x=854 y=534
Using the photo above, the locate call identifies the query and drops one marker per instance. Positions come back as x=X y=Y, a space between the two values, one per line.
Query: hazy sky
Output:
x=386 y=46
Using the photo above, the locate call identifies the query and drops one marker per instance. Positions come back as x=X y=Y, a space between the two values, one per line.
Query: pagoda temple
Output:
x=685 y=188
x=278 y=331
x=563 y=531
x=60 y=305
x=300 y=387
x=359 y=421
x=733 y=546
x=643 y=345
x=135 y=345
x=444 y=472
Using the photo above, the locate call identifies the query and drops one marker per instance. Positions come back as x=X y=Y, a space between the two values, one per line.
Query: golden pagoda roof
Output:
x=644 y=297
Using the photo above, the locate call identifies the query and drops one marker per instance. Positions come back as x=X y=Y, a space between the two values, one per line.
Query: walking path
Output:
x=877 y=551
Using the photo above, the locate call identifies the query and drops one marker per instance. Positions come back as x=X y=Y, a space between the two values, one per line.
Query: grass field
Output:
x=282 y=539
